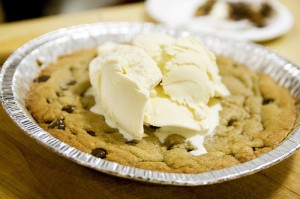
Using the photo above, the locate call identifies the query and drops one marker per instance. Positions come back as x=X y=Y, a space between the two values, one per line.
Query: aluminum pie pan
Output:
x=21 y=68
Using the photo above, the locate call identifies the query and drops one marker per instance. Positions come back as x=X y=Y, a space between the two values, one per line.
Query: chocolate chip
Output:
x=42 y=78
x=99 y=153
x=72 y=82
x=154 y=127
x=230 y=122
x=132 y=142
x=68 y=108
x=59 y=123
x=91 y=133
x=267 y=101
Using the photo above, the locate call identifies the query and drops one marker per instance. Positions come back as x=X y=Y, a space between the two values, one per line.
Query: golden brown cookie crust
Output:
x=255 y=118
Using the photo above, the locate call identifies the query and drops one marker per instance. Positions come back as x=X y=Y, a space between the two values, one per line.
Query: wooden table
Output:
x=28 y=170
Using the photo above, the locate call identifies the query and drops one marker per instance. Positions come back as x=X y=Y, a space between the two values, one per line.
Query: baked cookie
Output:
x=255 y=118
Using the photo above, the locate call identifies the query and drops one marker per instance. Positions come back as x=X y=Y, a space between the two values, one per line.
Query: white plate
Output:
x=180 y=13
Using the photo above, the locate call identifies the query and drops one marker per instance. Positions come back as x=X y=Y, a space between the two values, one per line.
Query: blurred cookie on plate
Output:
x=255 y=20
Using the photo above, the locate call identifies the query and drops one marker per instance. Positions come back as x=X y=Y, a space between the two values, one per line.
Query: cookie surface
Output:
x=255 y=118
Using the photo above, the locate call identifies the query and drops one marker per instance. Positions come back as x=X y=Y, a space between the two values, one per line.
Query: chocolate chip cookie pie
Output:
x=256 y=116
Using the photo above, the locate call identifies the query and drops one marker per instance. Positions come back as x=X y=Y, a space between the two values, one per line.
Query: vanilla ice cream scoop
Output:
x=190 y=75
x=160 y=81
x=122 y=77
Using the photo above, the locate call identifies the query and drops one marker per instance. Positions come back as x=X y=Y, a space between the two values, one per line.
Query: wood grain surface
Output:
x=29 y=170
